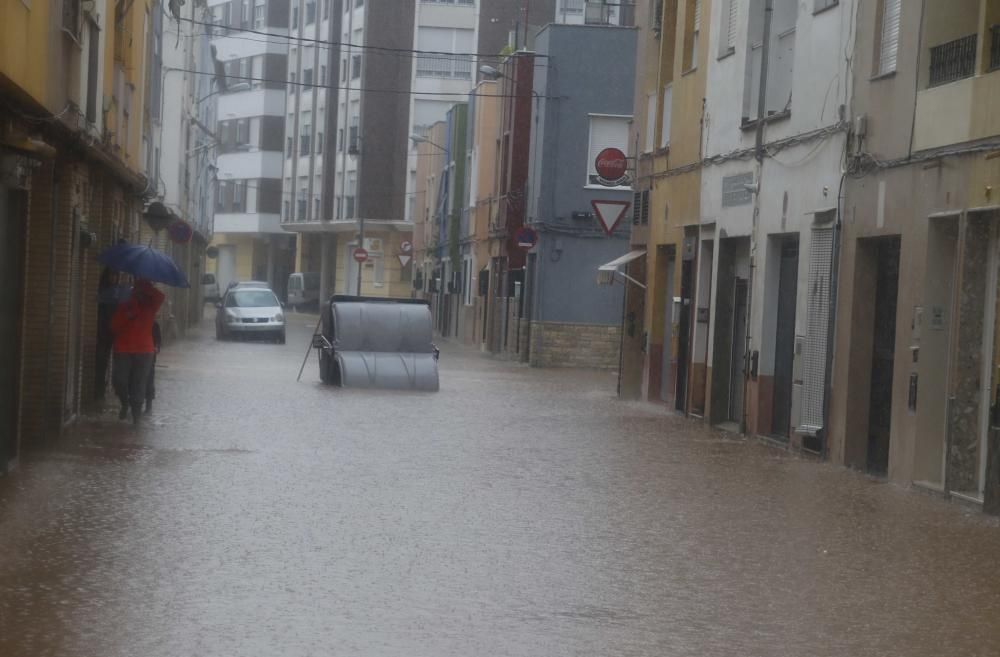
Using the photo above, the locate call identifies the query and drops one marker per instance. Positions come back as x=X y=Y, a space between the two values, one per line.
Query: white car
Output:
x=250 y=311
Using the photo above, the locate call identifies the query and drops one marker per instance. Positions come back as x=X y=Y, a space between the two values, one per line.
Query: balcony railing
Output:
x=953 y=60
x=444 y=66
x=994 y=47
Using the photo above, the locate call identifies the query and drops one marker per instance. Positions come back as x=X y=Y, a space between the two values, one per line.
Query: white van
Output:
x=303 y=289
x=209 y=287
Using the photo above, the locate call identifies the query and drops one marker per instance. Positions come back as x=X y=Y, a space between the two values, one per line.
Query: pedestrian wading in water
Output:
x=134 y=349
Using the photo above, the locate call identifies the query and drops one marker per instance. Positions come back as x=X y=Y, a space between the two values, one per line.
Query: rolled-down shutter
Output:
x=889 y=41
x=731 y=24
x=817 y=329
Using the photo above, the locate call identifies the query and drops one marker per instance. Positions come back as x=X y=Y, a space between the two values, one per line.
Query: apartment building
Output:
x=72 y=181
x=917 y=370
x=345 y=187
x=250 y=40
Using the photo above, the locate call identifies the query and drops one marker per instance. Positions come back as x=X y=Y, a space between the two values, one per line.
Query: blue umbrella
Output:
x=144 y=262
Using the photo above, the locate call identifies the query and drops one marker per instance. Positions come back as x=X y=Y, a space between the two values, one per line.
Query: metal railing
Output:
x=994 y=47
x=444 y=66
x=953 y=60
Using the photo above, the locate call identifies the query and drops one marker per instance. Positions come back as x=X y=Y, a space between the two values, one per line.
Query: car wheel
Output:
x=325 y=373
x=281 y=338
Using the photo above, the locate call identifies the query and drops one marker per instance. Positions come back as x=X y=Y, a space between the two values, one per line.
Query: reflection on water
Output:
x=517 y=512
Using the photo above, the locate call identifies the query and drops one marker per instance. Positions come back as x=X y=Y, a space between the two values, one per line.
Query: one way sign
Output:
x=609 y=213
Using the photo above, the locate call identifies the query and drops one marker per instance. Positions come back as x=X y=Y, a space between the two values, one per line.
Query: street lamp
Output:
x=417 y=139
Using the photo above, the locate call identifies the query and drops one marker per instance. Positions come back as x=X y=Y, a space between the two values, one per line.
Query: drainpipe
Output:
x=765 y=51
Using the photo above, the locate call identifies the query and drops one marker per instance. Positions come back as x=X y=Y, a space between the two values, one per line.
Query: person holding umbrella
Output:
x=134 y=350
x=132 y=323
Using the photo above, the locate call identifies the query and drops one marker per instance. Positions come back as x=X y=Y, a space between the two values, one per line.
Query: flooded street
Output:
x=516 y=512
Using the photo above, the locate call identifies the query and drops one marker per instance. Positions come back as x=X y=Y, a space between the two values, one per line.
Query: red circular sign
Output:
x=611 y=164
x=360 y=254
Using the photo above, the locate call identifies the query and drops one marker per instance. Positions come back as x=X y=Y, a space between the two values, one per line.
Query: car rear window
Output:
x=251 y=299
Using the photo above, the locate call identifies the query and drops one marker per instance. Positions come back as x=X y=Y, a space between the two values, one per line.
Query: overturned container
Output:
x=369 y=342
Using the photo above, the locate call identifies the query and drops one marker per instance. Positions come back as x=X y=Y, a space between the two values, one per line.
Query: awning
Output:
x=606 y=272
x=623 y=260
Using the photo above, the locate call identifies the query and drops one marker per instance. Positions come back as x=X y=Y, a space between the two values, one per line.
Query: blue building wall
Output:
x=588 y=70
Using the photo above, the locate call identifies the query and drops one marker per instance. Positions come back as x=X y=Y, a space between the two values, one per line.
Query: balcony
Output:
x=444 y=66
x=952 y=61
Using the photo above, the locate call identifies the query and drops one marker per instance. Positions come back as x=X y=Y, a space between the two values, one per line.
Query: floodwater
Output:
x=516 y=512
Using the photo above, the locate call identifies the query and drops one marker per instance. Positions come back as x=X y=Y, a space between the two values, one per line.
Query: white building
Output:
x=768 y=230
x=250 y=129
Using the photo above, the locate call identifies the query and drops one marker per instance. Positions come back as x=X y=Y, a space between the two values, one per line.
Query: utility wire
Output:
x=387 y=49
x=462 y=94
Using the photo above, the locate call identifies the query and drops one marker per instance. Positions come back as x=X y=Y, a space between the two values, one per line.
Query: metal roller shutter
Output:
x=817 y=329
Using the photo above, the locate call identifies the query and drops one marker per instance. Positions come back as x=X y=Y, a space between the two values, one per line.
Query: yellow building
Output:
x=661 y=337
x=72 y=89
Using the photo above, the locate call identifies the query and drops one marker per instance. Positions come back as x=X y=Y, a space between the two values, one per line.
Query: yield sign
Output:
x=609 y=213
x=404 y=260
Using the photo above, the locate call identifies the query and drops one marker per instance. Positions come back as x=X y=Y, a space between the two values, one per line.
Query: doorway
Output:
x=666 y=358
x=12 y=222
x=737 y=358
x=684 y=332
x=74 y=328
x=784 y=338
x=883 y=354
x=226 y=267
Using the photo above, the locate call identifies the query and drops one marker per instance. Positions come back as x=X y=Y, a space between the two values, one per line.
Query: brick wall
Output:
x=574 y=345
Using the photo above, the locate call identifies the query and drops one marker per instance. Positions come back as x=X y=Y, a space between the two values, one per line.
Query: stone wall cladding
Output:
x=555 y=344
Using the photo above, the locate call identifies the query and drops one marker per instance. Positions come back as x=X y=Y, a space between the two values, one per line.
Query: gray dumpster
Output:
x=369 y=342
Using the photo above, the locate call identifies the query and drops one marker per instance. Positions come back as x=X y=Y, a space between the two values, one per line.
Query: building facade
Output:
x=250 y=40
x=915 y=378
x=72 y=181
x=583 y=105
x=354 y=193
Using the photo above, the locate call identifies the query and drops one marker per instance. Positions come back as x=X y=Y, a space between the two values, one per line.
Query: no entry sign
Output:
x=526 y=237
x=360 y=254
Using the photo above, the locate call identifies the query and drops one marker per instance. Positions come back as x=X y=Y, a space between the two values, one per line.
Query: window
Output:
x=243 y=132
x=319 y=143
x=244 y=13
x=778 y=95
x=310 y=13
x=692 y=28
x=293 y=88
x=888 y=36
x=445 y=40
x=300 y=208
x=289 y=146
x=316 y=208
x=259 y=16
x=305 y=134
x=730 y=23
x=355 y=67
x=352 y=138
x=343 y=70
x=288 y=211
x=665 y=114
x=295 y=16
x=307 y=77
x=322 y=75
x=239 y=195
x=340 y=139
x=605 y=132
x=326 y=8
x=649 y=138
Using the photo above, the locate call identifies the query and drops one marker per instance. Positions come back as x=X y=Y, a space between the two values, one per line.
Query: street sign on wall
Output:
x=611 y=165
x=610 y=213
x=526 y=237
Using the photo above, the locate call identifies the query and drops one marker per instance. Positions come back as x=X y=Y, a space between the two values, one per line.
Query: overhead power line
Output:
x=387 y=49
x=409 y=92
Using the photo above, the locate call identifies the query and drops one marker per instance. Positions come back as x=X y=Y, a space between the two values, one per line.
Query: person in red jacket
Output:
x=132 y=326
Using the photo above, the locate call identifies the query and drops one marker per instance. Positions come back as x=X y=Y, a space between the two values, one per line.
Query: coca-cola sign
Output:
x=612 y=166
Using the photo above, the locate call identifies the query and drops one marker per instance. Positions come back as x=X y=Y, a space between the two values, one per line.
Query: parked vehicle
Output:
x=303 y=289
x=209 y=287
x=260 y=284
x=250 y=311
x=371 y=342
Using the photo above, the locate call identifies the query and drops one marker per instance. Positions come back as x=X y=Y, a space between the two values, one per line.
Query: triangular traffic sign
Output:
x=609 y=213
x=404 y=260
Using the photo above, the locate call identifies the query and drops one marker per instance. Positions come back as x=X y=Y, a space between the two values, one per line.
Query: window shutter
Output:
x=668 y=97
x=817 y=329
x=734 y=9
x=649 y=139
x=697 y=15
x=889 y=42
